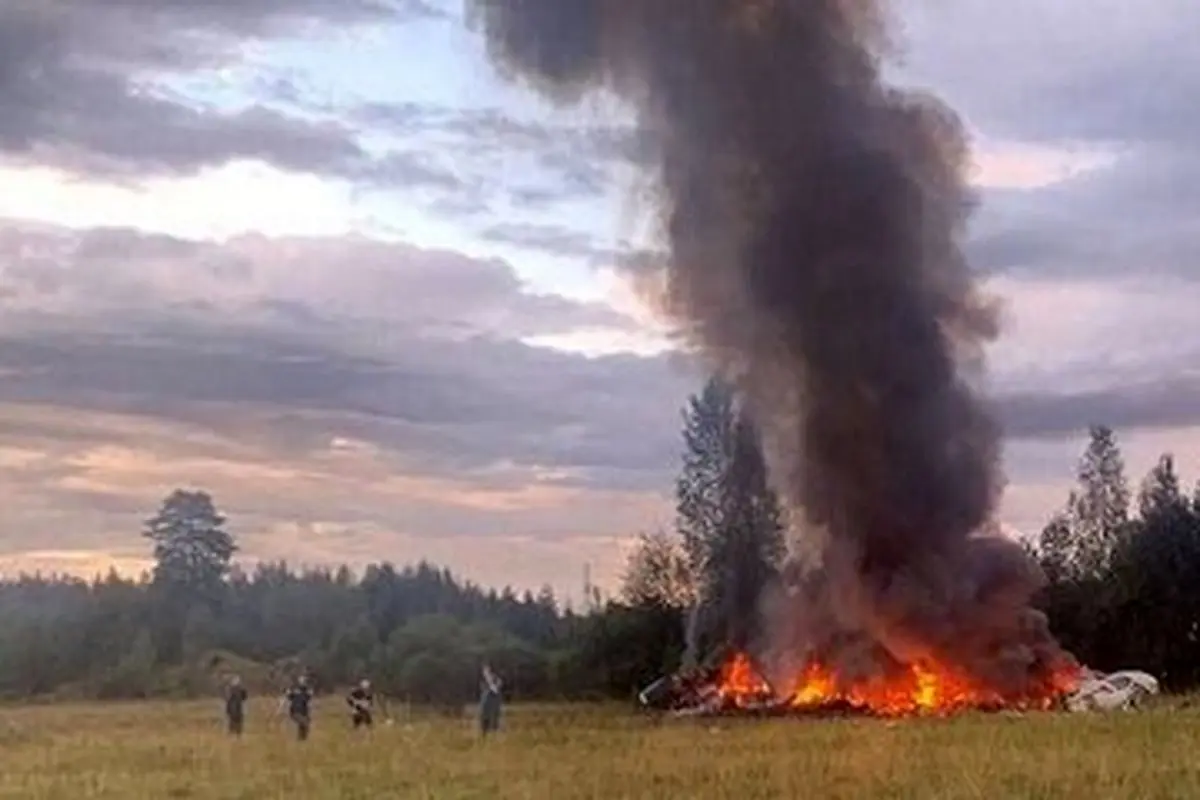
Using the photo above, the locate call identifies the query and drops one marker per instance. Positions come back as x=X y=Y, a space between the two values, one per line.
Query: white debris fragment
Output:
x=1112 y=692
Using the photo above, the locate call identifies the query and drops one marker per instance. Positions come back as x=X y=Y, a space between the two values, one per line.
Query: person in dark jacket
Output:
x=362 y=705
x=235 y=706
x=298 y=700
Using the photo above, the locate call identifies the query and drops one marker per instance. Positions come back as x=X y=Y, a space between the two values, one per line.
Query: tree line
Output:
x=1120 y=572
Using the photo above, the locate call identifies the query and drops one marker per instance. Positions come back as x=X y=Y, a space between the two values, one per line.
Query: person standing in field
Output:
x=362 y=705
x=235 y=706
x=298 y=700
x=489 y=701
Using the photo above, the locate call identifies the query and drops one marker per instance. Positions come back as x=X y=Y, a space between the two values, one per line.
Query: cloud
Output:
x=1070 y=334
x=1105 y=81
x=80 y=88
x=420 y=352
x=1072 y=71
x=427 y=354
x=320 y=388
x=554 y=239
x=1167 y=404
x=1134 y=219
x=527 y=161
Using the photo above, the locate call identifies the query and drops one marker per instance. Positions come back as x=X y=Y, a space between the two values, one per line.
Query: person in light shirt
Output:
x=490 y=701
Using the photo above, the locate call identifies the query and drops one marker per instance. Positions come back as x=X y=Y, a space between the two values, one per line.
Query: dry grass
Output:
x=560 y=753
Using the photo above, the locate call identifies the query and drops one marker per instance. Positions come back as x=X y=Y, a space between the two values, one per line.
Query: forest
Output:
x=1122 y=565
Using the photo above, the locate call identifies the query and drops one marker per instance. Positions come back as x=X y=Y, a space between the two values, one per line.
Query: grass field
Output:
x=561 y=753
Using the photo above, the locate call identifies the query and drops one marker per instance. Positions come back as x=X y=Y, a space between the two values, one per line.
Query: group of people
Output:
x=297 y=702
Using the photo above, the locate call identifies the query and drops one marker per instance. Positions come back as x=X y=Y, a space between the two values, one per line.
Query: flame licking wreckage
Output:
x=813 y=218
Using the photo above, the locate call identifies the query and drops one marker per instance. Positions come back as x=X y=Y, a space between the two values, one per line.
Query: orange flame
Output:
x=740 y=683
x=919 y=688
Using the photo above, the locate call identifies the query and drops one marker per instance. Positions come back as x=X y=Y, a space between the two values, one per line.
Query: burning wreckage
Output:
x=737 y=686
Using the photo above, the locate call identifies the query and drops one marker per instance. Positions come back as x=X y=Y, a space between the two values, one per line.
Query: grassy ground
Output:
x=563 y=753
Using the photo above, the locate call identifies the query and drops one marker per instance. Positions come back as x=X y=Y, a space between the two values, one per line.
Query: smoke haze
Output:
x=814 y=219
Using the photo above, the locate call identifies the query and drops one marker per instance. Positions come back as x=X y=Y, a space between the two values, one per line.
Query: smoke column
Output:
x=814 y=220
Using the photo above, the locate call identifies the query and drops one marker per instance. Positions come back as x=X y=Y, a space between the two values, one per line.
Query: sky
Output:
x=323 y=263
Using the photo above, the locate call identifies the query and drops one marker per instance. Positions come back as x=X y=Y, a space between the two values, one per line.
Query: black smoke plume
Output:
x=814 y=218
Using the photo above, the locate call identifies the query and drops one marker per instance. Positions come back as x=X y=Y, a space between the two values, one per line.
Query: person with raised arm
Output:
x=490 y=701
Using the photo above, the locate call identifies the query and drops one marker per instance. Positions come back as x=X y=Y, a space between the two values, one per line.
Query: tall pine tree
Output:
x=707 y=451
x=729 y=518
x=1161 y=492
x=1099 y=508
x=192 y=555
x=192 y=549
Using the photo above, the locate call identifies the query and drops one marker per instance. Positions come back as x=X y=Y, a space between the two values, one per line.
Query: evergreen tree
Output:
x=747 y=555
x=1160 y=491
x=192 y=555
x=728 y=516
x=192 y=549
x=1099 y=509
x=699 y=490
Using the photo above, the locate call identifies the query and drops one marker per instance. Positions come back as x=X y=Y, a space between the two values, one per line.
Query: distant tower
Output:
x=587 y=587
